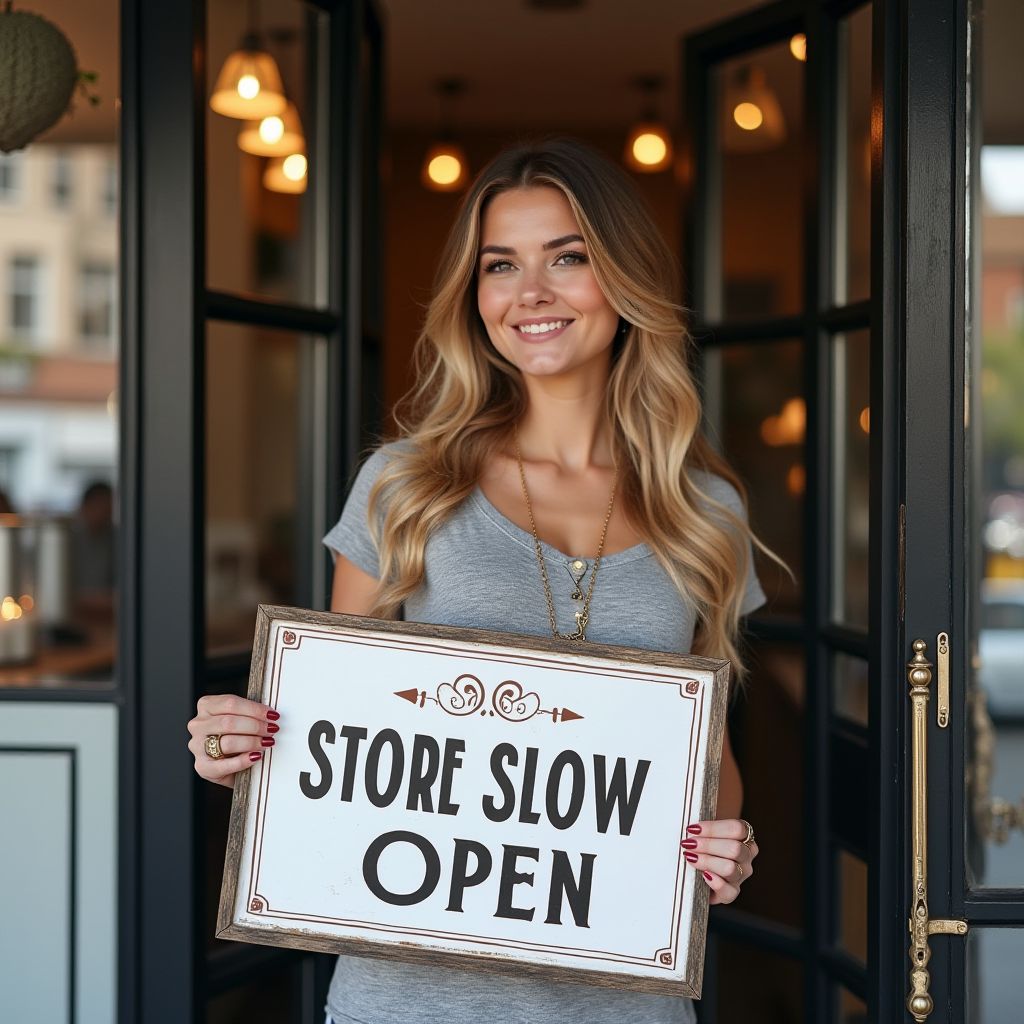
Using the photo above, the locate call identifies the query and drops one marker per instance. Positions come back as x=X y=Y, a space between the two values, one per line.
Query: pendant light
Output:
x=753 y=119
x=249 y=84
x=445 y=167
x=286 y=173
x=275 y=135
x=649 y=145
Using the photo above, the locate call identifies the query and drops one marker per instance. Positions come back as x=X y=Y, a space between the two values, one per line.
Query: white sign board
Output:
x=477 y=800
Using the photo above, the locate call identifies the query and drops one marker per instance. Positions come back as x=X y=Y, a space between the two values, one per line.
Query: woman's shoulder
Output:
x=719 y=490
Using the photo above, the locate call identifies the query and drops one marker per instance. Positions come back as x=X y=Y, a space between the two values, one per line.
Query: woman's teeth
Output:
x=543 y=328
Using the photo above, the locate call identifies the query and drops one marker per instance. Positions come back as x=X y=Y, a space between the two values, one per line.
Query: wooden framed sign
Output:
x=477 y=800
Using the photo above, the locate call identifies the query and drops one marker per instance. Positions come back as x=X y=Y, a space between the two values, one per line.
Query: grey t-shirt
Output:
x=481 y=571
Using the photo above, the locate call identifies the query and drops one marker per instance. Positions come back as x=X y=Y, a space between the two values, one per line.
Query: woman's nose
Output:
x=534 y=289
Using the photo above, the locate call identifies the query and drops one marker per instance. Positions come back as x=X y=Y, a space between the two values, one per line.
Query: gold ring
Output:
x=740 y=866
x=213 y=751
x=750 y=833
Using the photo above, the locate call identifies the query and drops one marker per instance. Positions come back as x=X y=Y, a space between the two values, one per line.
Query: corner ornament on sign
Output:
x=467 y=695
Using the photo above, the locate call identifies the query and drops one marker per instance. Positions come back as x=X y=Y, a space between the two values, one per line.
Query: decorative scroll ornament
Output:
x=467 y=695
x=38 y=77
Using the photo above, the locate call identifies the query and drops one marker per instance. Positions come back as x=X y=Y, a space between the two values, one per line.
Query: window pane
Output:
x=755 y=219
x=59 y=380
x=851 y=1009
x=757 y=987
x=252 y=459
x=766 y=728
x=994 y=958
x=852 y=281
x=259 y=206
x=756 y=414
x=850 y=688
x=852 y=925
x=851 y=456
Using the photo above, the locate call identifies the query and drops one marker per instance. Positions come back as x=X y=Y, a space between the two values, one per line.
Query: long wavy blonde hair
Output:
x=467 y=398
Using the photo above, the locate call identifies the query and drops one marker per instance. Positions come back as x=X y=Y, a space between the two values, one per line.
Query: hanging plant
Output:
x=38 y=77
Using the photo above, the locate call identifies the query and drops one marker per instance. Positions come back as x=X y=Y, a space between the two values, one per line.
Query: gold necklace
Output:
x=583 y=616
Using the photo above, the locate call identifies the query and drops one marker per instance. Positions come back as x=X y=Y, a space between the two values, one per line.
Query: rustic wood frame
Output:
x=227 y=928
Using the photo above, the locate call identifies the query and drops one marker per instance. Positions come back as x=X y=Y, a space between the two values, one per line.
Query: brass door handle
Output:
x=919 y=675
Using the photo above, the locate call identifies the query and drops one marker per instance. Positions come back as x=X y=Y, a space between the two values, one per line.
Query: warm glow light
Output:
x=748 y=116
x=798 y=46
x=294 y=167
x=788 y=427
x=865 y=420
x=10 y=609
x=444 y=169
x=26 y=602
x=248 y=87
x=271 y=129
x=649 y=148
x=796 y=480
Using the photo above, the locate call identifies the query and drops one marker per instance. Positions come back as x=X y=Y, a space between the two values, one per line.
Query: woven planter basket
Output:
x=38 y=74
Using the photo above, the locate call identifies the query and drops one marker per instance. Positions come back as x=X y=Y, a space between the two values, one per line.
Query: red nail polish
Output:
x=689 y=844
x=273 y=715
x=273 y=728
x=694 y=830
x=267 y=741
x=707 y=876
x=691 y=857
x=254 y=755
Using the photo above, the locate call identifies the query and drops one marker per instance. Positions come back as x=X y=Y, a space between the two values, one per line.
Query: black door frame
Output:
x=164 y=973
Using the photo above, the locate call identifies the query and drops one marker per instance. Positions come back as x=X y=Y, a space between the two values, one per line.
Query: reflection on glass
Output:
x=852 y=926
x=850 y=688
x=994 y=958
x=757 y=415
x=996 y=700
x=59 y=341
x=252 y=421
x=755 y=221
x=766 y=728
x=770 y=989
x=258 y=167
x=851 y=455
x=852 y=281
x=851 y=1009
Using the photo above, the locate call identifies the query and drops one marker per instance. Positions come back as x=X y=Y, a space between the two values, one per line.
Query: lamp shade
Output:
x=648 y=148
x=445 y=168
x=753 y=119
x=249 y=86
x=286 y=174
x=274 y=135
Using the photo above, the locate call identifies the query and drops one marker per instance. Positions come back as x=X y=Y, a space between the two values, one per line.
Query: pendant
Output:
x=577 y=570
x=580 y=636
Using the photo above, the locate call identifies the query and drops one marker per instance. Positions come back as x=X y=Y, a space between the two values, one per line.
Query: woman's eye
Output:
x=570 y=259
x=497 y=267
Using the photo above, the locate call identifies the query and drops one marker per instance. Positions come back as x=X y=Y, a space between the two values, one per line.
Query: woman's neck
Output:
x=565 y=421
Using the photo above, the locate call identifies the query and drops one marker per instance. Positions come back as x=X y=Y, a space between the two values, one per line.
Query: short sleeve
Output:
x=351 y=535
x=723 y=492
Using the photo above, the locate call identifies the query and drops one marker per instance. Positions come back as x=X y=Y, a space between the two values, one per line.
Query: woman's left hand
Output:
x=716 y=849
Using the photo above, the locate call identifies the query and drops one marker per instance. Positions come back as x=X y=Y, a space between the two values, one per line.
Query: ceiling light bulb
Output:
x=798 y=46
x=748 y=116
x=444 y=169
x=248 y=87
x=294 y=167
x=649 y=148
x=271 y=129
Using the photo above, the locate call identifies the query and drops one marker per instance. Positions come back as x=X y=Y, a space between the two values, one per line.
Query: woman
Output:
x=551 y=478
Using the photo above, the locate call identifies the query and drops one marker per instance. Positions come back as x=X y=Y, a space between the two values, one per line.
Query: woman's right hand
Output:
x=245 y=729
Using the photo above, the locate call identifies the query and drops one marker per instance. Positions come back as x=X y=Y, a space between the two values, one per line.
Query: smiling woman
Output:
x=554 y=426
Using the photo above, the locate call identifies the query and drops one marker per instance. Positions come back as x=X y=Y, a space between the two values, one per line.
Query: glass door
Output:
x=778 y=159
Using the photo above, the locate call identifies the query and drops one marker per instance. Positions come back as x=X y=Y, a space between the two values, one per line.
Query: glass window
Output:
x=851 y=458
x=850 y=688
x=994 y=958
x=755 y=213
x=852 y=232
x=25 y=305
x=61 y=183
x=98 y=312
x=757 y=986
x=756 y=414
x=10 y=177
x=260 y=161
x=852 y=1010
x=852 y=925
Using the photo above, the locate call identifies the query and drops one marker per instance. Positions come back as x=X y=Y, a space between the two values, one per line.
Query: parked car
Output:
x=1001 y=646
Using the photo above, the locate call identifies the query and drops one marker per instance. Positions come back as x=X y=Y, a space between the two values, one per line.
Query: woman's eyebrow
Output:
x=498 y=250
x=564 y=240
x=507 y=250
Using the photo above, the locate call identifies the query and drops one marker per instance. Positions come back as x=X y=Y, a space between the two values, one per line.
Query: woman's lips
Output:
x=541 y=330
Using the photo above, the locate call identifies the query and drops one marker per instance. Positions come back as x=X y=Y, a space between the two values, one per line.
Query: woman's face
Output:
x=537 y=294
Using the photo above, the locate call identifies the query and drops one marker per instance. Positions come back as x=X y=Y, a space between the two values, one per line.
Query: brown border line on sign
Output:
x=529 y=649
x=658 y=958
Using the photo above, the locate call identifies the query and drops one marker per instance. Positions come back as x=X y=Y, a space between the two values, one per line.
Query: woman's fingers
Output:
x=721 y=890
x=716 y=849
x=734 y=871
x=724 y=828
x=224 y=770
x=245 y=729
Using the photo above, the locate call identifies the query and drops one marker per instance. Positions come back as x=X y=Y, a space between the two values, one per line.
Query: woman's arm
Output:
x=730 y=785
x=352 y=592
